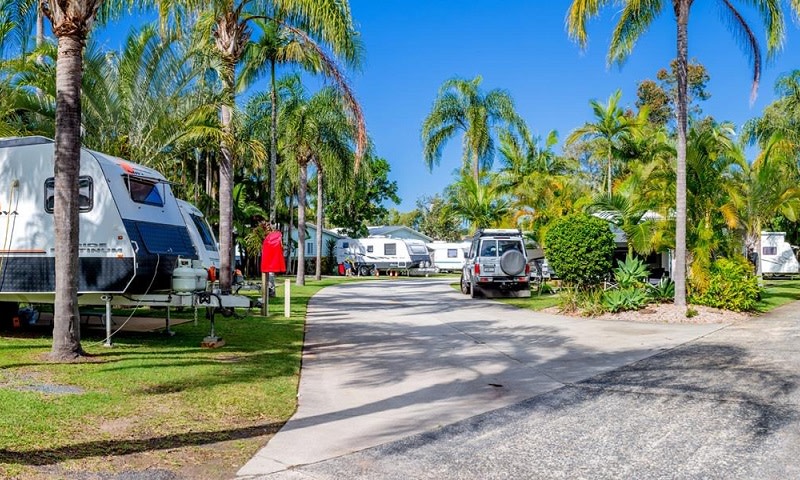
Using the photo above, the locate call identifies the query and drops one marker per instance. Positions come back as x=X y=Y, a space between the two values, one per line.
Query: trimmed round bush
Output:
x=580 y=249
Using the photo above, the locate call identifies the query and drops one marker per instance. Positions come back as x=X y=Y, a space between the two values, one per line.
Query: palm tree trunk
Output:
x=476 y=168
x=39 y=25
x=609 y=171
x=289 y=236
x=301 y=224
x=196 y=174
x=226 y=182
x=679 y=275
x=318 y=240
x=66 y=319
x=273 y=145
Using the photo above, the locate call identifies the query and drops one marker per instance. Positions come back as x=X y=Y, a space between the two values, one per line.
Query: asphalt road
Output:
x=410 y=379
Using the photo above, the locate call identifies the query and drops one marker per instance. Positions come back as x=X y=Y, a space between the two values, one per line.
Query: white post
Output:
x=287 y=299
x=265 y=294
x=108 y=322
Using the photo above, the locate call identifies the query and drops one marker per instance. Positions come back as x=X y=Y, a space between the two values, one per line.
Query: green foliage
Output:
x=660 y=97
x=364 y=200
x=589 y=302
x=580 y=248
x=732 y=286
x=434 y=218
x=663 y=292
x=691 y=312
x=623 y=299
x=631 y=273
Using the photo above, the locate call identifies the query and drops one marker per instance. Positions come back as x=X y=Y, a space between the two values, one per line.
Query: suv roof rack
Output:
x=498 y=231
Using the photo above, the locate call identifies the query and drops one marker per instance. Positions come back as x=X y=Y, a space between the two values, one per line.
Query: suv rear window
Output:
x=496 y=248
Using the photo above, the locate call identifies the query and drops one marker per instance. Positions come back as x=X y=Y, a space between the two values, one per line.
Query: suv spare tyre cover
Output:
x=512 y=262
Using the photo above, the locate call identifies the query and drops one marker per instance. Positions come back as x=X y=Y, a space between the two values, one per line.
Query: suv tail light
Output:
x=477 y=269
x=527 y=269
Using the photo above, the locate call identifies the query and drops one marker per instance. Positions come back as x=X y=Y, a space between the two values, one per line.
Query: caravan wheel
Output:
x=363 y=271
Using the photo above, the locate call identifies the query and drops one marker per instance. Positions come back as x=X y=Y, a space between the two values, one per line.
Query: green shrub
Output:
x=631 y=273
x=731 y=286
x=587 y=301
x=580 y=249
x=623 y=299
x=663 y=292
x=691 y=312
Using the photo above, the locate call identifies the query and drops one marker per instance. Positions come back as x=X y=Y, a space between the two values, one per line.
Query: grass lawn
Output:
x=152 y=399
x=777 y=293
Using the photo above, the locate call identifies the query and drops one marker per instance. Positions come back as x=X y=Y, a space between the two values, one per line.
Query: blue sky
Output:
x=522 y=46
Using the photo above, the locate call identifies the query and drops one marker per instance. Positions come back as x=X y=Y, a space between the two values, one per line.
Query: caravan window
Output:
x=390 y=249
x=452 y=253
x=345 y=245
x=769 y=250
x=85 y=194
x=370 y=248
x=205 y=233
x=418 y=249
x=143 y=191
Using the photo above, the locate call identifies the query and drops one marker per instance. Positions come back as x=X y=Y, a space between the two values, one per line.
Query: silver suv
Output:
x=496 y=265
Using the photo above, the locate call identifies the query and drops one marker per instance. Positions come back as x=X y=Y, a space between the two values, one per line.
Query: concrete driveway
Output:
x=450 y=387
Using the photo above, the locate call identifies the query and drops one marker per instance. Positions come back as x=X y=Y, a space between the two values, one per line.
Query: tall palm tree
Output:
x=71 y=20
x=322 y=23
x=461 y=106
x=277 y=45
x=313 y=129
x=635 y=18
x=611 y=125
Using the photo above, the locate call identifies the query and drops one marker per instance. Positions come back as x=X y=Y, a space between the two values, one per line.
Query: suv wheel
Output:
x=464 y=285
x=474 y=291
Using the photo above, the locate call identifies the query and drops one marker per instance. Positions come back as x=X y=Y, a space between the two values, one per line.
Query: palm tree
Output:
x=71 y=20
x=542 y=186
x=482 y=204
x=635 y=18
x=610 y=127
x=314 y=130
x=320 y=23
x=780 y=118
x=769 y=187
x=279 y=45
x=461 y=106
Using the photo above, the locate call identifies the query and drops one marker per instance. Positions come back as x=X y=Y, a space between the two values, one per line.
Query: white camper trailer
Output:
x=449 y=256
x=384 y=253
x=777 y=256
x=133 y=235
x=201 y=234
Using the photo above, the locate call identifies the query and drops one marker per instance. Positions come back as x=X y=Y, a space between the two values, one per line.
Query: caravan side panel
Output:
x=27 y=232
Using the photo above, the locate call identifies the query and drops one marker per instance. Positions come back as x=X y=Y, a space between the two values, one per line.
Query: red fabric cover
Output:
x=272 y=254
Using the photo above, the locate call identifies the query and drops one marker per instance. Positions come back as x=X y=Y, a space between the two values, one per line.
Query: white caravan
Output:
x=132 y=231
x=202 y=236
x=383 y=253
x=777 y=256
x=449 y=256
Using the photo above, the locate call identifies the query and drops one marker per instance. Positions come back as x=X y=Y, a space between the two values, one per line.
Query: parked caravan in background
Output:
x=133 y=234
x=202 y=236
x=383 y=254
x=777 y=256
x=449 y=256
